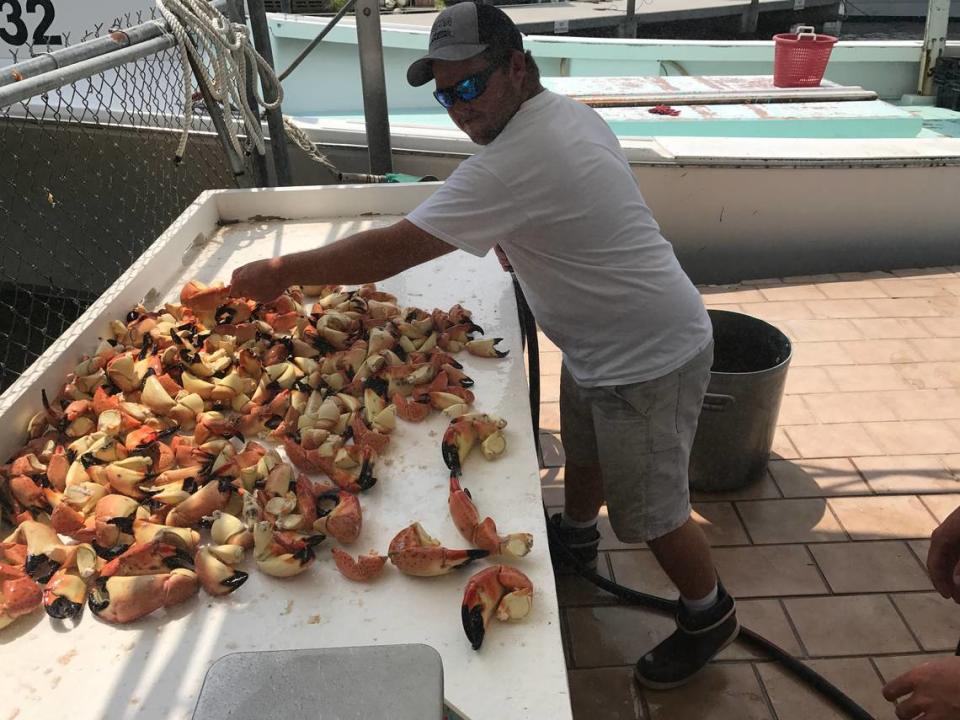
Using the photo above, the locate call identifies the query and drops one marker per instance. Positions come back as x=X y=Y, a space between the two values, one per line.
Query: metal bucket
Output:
x=739 y=415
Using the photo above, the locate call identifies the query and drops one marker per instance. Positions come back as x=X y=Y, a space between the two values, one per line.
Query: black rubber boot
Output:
x=582 y=542
x=697 y=639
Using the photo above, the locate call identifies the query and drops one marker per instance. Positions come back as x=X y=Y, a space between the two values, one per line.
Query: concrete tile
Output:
x=852 y=289
x=725 y=691
x=849 y=625
x=893 y=666
x=553 y=495
x=806 y=520
x=864 y=275
x=762 y=489
x=550 y=417
x=720 y=294
x=782 y=447
x=803 y=380
x=873 y=352
x=639 y=569
x=793 y=411
x=933 y=619
x=941 y=404
x=912 y=288
x=920 y=548
x=604 y=693
x=768 y=571
x=573 y=590
x=865 y=567
x=837 y=440
x=941 y=505
x=891 y=328
x=883 y=518
x=774 y=312
x=907 y=474
x=952 y=462
x=931 y=375
x=913 y=437
x=767 y=618
x=846 y=407
x=614 y=635
x=549 y=388
x=799 y=291
x=943 y=327
x=941 y=349
x=840 y=309
x=867 y=378
x=550 y=363
x=816 y=354
x=818 y=478
x=903 y=307
x=720 y=523
x=854 y=676
x=545 y=344
x=821 y=330
x=947 y=305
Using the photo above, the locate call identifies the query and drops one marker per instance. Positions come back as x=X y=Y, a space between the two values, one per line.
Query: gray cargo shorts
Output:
x=640 y=435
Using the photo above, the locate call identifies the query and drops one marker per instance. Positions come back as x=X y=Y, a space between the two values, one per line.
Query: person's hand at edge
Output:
x=930 y=691
x=943 y=559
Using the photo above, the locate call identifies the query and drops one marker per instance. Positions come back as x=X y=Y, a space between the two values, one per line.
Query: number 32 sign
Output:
x=18 y=17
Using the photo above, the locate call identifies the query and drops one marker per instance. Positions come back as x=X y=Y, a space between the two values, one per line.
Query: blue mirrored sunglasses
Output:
x=470 y=88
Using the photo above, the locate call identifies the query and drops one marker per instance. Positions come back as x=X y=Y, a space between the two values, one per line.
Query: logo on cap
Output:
x=442 y=28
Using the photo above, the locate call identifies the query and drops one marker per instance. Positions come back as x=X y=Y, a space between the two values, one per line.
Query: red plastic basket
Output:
x=800 y=58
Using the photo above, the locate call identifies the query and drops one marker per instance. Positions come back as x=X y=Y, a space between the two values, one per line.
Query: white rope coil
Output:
x=202 y=29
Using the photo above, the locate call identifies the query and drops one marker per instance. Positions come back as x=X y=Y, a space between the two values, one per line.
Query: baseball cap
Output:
x=462 y=31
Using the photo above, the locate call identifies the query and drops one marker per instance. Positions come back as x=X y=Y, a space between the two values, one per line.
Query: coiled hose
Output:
x=803 y=673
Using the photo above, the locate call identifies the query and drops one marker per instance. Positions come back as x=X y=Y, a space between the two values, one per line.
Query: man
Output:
x=932 y=690
x=552 y=186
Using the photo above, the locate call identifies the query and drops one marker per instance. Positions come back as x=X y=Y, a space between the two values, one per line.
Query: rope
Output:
x=302 y=141
x=230 y=52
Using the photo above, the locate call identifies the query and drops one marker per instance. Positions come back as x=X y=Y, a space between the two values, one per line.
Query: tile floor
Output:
x=826 y=554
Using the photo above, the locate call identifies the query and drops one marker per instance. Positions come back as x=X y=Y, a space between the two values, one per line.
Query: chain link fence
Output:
x=87 y=184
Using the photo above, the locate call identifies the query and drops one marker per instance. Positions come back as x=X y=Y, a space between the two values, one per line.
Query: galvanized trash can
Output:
x=739 y=415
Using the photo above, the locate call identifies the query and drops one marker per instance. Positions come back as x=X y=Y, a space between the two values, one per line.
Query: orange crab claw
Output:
x=216 y=577
x=122 y=599
x=151 y=558
x=19 y=594
x=344 y=521
x=201 y=298
x=501 y=590
x=363 y=569
x=415 y=552
x=483 y=534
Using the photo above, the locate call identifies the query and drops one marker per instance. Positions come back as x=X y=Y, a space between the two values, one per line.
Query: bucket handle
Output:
x=716 y=402
x=804 y=30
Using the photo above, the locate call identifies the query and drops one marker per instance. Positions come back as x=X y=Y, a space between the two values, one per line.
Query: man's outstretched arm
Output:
x=368 y=256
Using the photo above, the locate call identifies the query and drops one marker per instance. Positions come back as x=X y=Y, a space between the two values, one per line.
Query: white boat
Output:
x=846 y=180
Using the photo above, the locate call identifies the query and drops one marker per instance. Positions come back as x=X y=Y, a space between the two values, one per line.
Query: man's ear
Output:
x=518 y=67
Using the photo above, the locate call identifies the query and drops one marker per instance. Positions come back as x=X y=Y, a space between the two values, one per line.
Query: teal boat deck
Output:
x=723 y=106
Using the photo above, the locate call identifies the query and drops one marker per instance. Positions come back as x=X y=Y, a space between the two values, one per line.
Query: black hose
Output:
x=633 y=597
x=528 y=328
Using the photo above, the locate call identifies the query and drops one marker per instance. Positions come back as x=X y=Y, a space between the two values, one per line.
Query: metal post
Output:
x=749 y=19
x=286 y=6
x=629 y=27
x=278 y=138
x=370 y=44
x=934 y=43
x=238 y=14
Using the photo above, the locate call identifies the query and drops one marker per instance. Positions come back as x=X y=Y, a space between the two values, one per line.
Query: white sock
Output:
x=705 y=603
x=579 y=524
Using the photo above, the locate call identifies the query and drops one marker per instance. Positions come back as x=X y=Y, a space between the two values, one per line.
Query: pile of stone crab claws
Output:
x=150 y=441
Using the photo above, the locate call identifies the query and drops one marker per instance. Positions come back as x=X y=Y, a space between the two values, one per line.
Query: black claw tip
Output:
x=473 y=625
x=62 y=609
x=235 y=580
x=99 y=598
x=451 y=457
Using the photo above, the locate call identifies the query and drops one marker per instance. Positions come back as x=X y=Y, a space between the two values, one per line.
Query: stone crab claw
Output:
x=150 y=558
x=216 y=576
x=415 y=552
x=283 y=554
x=123 y=599
x=19 y=594
x=344 y=521
x=486 y=348
x=364 y=568
x=65 y=593
x=500 y=590
x=203 y=298
x=483 y=534
x=465 y=431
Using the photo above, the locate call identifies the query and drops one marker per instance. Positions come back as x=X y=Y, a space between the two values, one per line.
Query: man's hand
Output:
x=261 y=280
x=934 y=690
x=943 y=560
x=502 y=257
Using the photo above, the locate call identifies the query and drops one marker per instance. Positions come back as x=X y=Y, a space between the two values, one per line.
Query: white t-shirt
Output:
x=554 y=189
